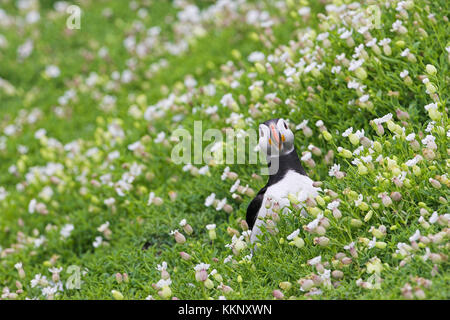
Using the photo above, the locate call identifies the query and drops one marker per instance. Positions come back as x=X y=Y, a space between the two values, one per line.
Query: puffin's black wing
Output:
x=253 y=208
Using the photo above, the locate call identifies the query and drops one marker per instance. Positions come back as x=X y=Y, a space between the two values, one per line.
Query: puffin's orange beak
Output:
x=275 y=135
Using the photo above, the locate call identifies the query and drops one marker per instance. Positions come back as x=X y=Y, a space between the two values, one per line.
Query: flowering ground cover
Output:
x=93 y=205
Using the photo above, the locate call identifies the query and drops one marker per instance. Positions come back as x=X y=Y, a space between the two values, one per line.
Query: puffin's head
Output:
x=275 y=138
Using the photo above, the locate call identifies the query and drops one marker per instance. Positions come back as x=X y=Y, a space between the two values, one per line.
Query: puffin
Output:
x=286 y=175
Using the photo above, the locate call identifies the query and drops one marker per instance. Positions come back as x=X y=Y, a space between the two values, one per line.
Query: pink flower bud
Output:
x=337 y=213
x=278 y=294
x=185 y=255
x=164 y=274
x=415 y=145
x=346 y=261
x=386 y=200
x=310 y=202
x=201 y=275
x=396 y=196
x=436 y=184
x=225 y=288
x=428 y=154
x=227 y=208
x=320 y=268
x=307 y=131
x=179 y=237
x=188 y=229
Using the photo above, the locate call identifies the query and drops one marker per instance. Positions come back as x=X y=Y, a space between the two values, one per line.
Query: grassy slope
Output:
x=134 y=223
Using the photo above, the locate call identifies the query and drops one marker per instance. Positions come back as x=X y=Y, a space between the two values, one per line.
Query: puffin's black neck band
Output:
x=286 y=162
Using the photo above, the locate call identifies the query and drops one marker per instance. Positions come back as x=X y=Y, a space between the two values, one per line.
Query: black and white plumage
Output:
x=286 y=174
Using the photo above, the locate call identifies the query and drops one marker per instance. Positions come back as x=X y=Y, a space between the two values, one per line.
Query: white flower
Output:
x=372 y=42
x=397 y=25
x=415 y=236
x=103 y=227
x=414 y=161
x=383 y=119
x=430 y=126
x=256 y=56
x=355 y=64
x=3 y=193
x=210 y=226
x=384 y=41
x=314 y=261
x=301 y=125
x=306 y=156
x=163 y=283
x=52 y=71
x=98 y=241
x=201 y=266
x=428 y=139
x=372 y=243
x=221 y=204
x=347 y=132
x=404 y=73
x=210 y=199
x=431 y=106
x=225 y=173
x=434 y=217
x=359 y=200
x=333 y=205
x=293 y=234
x=203 y=170
x=162 y=266
x=405 y=52
x=235 y=185
x=346 y=34
x=66 y=230
x=336 y=69
x=410 y=137
x=334 y=170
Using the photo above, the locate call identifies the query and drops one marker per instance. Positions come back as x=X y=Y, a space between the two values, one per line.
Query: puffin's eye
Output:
x=285 y=125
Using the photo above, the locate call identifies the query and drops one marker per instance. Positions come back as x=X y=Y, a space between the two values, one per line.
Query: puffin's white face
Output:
x=275 y=138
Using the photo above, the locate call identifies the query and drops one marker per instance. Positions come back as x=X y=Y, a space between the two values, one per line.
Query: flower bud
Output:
x=188 y=229
x=208 y=284
x=346 y=261
x=356 y=223
x=185 y=256
x=298 y=242
x=165 y=292
x=337 y=274
x=285 y=285
x=307 y=131
x=396 y=196
x=436 y=184
x=179 y=237
x=322 y=241
x=430 y=69
x=306 y=284
x=117 y=295
x=201 y=275
x=278 y=294
x=326 y=135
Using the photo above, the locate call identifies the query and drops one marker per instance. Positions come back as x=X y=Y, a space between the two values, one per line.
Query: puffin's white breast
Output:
x=292 y=183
